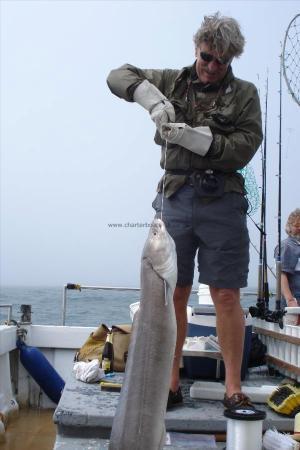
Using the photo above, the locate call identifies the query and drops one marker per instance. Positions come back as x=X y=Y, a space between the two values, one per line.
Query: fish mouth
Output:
x=157 y=227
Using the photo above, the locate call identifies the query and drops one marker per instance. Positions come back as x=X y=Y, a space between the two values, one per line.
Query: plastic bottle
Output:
x=108 y=355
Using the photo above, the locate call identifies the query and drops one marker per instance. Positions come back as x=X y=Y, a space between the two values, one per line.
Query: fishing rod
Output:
x=265 y=284
x=261 y=309
x=277 y=315
x=290 y=69
x=278 y=256
x=261 y=299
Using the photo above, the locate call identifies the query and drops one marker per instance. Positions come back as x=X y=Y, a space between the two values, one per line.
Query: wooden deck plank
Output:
x=33 y=429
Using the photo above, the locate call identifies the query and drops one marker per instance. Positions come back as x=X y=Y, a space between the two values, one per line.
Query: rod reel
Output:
x=261 y=312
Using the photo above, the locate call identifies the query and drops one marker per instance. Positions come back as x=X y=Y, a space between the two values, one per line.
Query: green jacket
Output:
x=231 y=110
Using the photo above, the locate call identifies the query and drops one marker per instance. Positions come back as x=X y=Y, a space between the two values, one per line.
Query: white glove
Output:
x=197 y=140
x=149 y=97
x=88 y=372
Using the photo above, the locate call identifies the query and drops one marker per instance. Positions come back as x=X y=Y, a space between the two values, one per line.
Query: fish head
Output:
x=159 y=243
x=160 y=250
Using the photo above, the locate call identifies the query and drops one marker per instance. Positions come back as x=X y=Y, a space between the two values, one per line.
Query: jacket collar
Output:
x=189 y=72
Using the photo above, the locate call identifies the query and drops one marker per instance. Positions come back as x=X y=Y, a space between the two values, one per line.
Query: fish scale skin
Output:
x=139 y=420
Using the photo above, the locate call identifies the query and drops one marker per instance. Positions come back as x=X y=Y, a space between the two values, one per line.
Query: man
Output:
x=209 y=126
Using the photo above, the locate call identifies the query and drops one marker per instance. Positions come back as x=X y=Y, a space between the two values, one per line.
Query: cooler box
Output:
x=202 y=322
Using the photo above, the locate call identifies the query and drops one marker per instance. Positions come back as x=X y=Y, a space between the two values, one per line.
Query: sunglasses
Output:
x=207 y=57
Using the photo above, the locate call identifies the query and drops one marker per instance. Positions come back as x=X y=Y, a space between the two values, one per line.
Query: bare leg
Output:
x=231 y=333
x=181 y=297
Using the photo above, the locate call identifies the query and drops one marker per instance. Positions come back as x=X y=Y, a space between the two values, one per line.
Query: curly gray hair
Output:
x=222 y=34
x=293 y=217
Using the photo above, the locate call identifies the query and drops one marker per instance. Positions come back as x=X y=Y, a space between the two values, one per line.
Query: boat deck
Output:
x=85 y=411
x=33 y=429
x=103 y=444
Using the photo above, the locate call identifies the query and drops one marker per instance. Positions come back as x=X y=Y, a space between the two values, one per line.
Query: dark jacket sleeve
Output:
x=236 y=149
x=123 y=81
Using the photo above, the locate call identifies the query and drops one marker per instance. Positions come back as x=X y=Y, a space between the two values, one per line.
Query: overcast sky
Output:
x=74 y=158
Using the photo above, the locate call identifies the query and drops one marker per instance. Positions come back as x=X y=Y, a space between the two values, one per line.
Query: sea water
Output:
x=84 y=308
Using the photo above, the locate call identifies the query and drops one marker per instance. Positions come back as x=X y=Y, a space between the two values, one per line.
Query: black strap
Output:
x=192 y=171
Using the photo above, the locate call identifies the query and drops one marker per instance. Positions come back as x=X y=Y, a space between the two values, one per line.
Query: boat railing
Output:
x=9 y=312
x=81 y=287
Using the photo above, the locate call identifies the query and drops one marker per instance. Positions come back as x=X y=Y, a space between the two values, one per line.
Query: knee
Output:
x=226 y=299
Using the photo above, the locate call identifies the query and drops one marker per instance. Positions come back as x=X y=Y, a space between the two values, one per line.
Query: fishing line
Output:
x=162 y=206
x=238 y=432
x=164 y=182
x=268 y=266
x=242 y=423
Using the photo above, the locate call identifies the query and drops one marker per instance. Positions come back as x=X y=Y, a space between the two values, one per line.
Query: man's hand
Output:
x=292 y=302
x=149 y=97
x=197 y=140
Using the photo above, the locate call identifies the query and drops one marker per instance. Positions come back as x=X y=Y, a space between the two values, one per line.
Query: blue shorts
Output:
x=215 y=230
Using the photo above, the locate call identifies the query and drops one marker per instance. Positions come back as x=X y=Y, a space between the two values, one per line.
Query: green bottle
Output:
x=108 y=355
